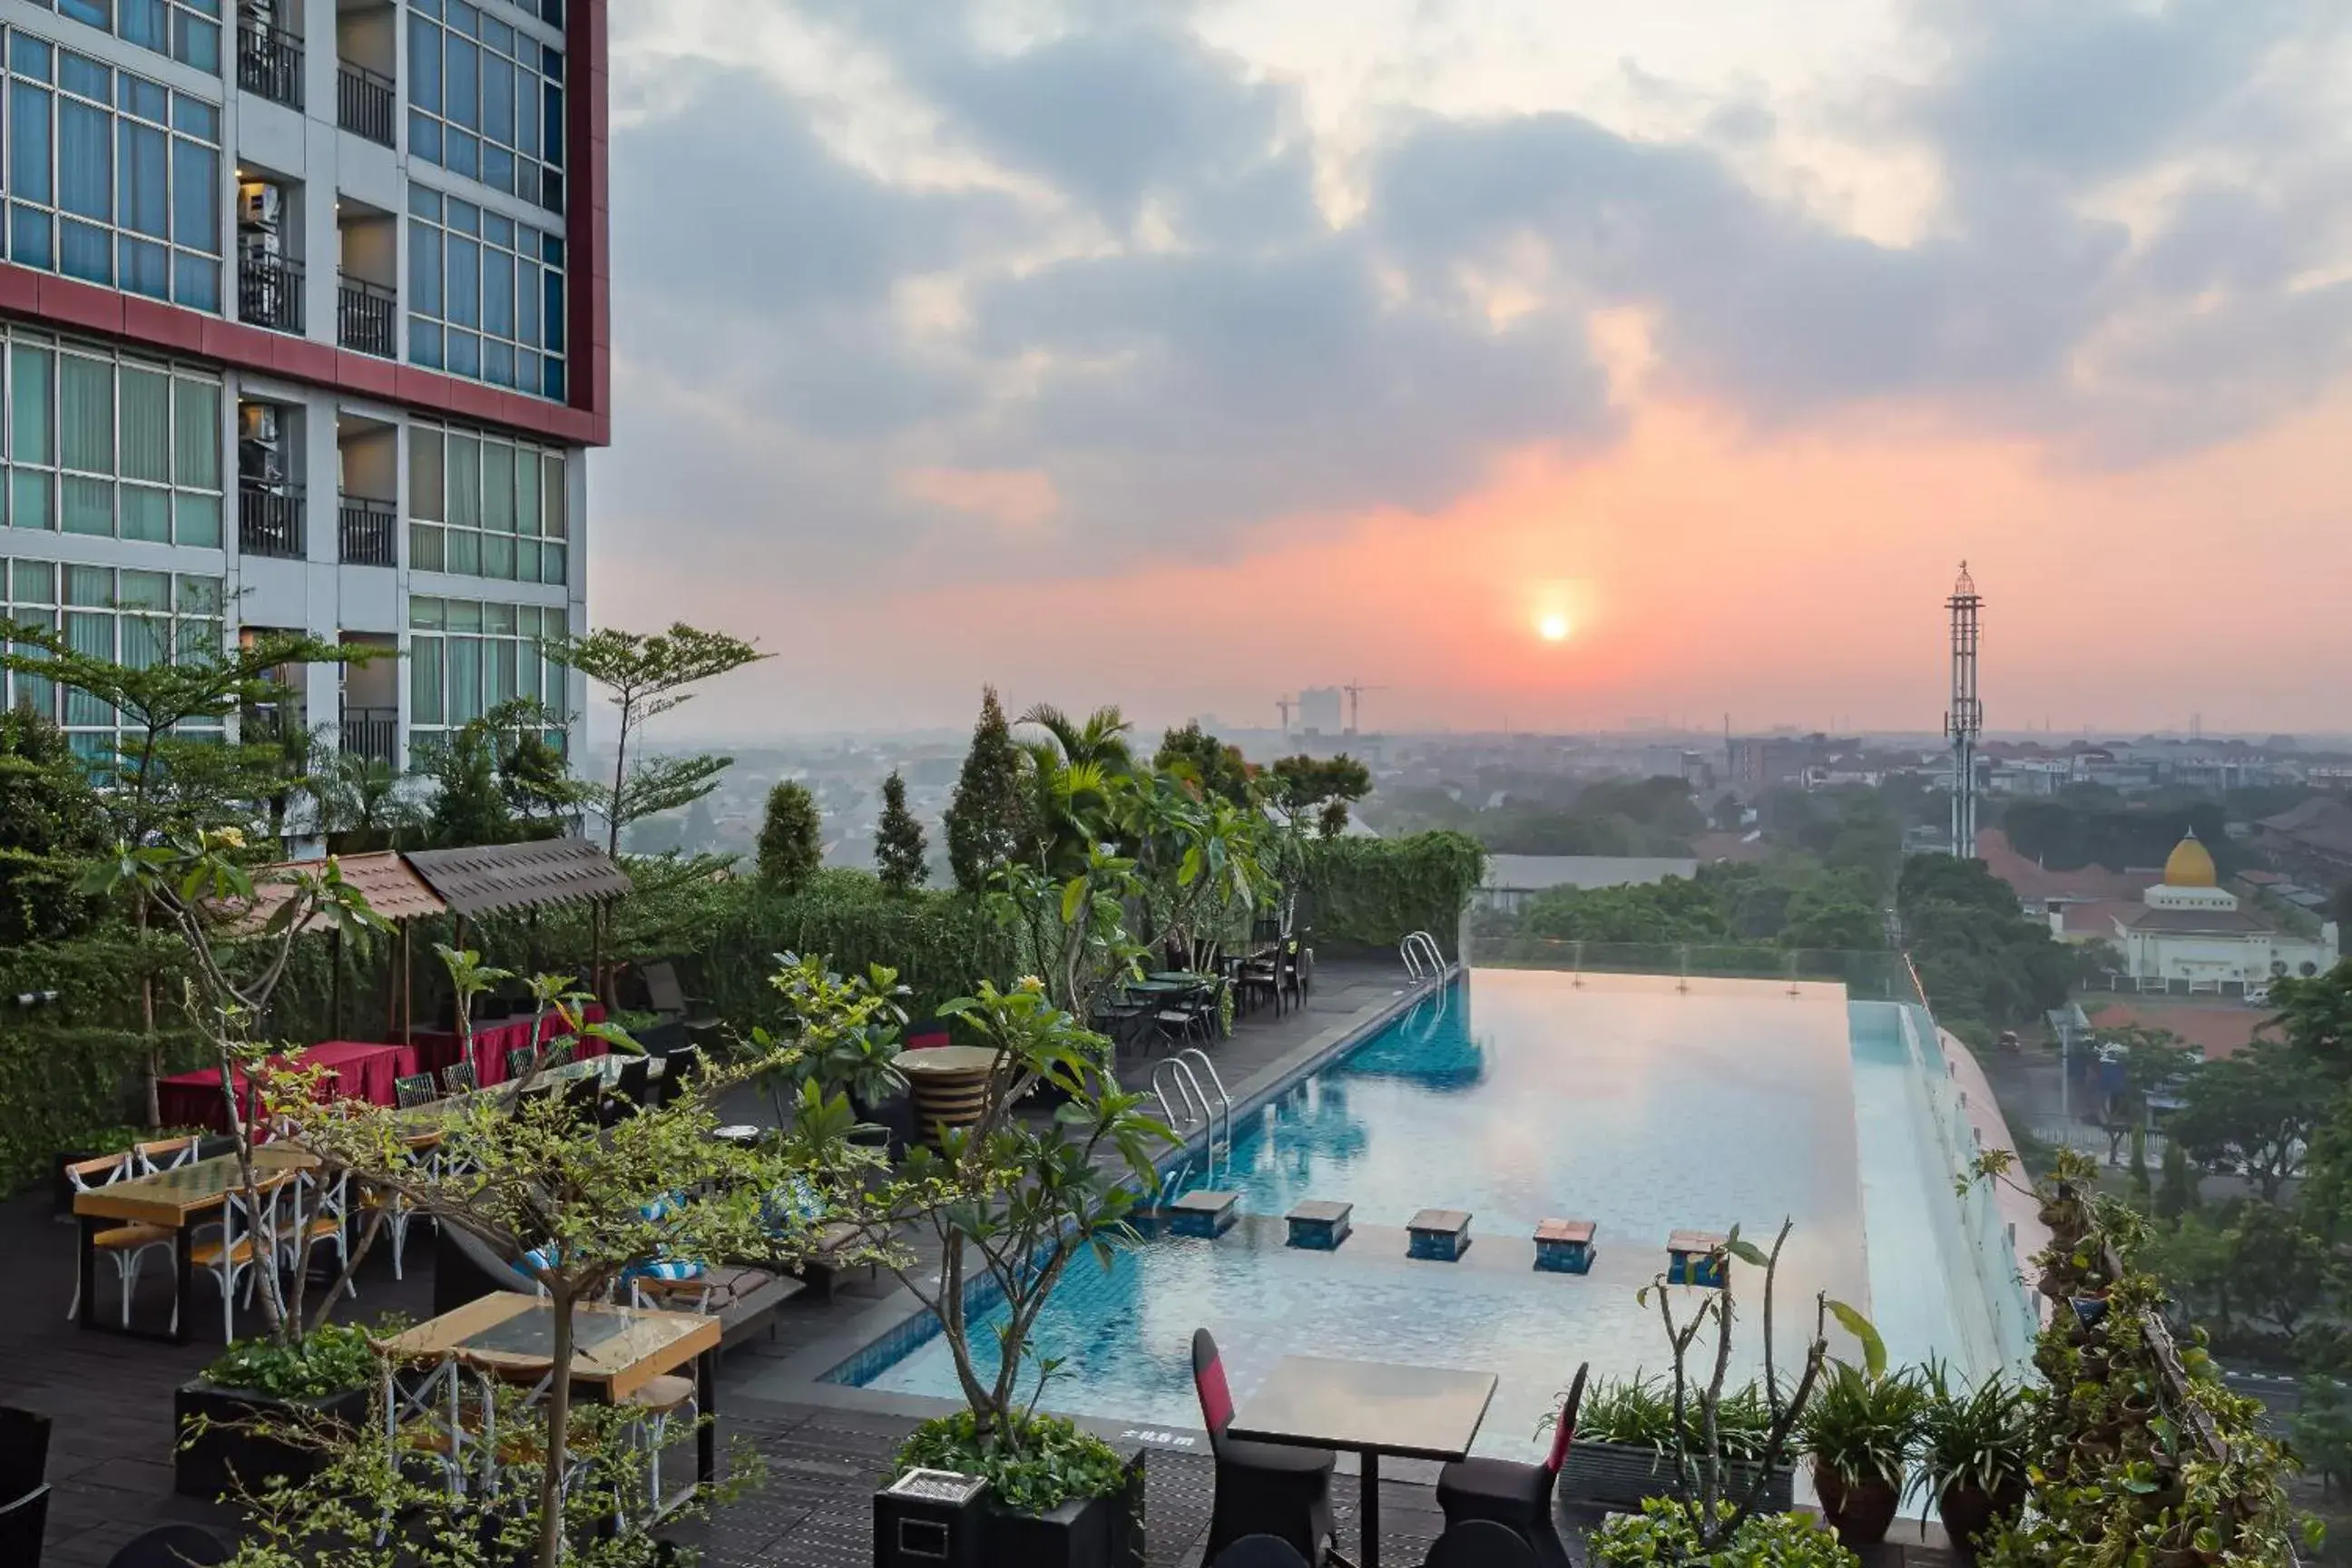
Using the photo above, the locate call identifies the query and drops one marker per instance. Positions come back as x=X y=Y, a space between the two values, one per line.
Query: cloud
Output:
x=1131 y=326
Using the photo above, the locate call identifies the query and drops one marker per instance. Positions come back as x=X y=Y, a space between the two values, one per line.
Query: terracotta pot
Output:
x=1860 y=1512
x=1973 y=1514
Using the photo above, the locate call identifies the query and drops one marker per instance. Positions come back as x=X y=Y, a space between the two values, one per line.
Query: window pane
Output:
x=196 y=282
x=462 y=104
x=146 y=424
x=196 y=519
x=424 y=550
x=499 y=556
x=464 y=353
x=28 y=141
x=85 y=414
x=196 y=434
x=89 y=505
x=29 y=499
x=423 y=64
x=465 y=481
x=425 y=681
x=465 y=680
x=498 y=293
x=29 y=405
x=551 y=469
x=424 y=136
x=143 y=590
x=424 y=485
x=461 y=153
x=195 y=196
x=91 y=634
x=85 y=251
x=465 y=283
x=146 y=267
x=527 y=492
x=146 y=514
x=200 y=595
x=423 y=270
x=497 y=486
x=85 y=160
x=424 y=342
x=498 y=101
x=90 y=585
x=551 y=566
x=464 y=548
x=144 y=156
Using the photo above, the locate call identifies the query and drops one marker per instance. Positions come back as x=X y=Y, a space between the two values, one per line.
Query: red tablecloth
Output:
x=356 y=1070
x=438 y=1048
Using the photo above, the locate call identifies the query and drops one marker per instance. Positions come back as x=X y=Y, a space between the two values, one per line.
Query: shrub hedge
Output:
x=1377 y=891
x=58 y=1085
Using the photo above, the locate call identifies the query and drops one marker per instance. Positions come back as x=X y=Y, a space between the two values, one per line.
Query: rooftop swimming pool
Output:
x=1519 y=1095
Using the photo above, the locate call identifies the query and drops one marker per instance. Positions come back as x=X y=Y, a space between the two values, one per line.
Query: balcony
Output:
x=364 y=102
x=364 y=316
x=366 y=529
x=269 y=291
x=268 y=62
x=371 y=733
x=270 y=519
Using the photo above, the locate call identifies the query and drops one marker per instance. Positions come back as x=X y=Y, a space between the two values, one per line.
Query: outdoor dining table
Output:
x=616 y=1350
x=949 y=1085
x=355 y=1069
x=1410 y=1412
x=178 y=1200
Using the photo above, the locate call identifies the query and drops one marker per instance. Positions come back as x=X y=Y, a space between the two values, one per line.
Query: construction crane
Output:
x=1355 y=690
x=1283 y=705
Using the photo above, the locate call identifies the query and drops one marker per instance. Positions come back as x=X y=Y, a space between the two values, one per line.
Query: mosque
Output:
x=2188 y=933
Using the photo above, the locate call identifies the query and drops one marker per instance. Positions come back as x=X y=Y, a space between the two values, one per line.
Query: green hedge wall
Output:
x=1377 y=891
x=58 y=1085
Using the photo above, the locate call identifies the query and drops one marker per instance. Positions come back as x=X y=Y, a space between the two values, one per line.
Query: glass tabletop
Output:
x=533 y=1333
x=1415 y=1412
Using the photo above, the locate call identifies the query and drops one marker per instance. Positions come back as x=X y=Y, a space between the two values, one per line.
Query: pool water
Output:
x=1521 y=1095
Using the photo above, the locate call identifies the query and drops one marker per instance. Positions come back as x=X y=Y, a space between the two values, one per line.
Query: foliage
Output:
x=988 y=817
x=1047 y=1463
x=1072 y=777
x=1015 y=1201
x=1978 y=957
x=334 y=1359
x=898 y=845
x=470 y=806
x=1639 y=1413
x=2176 y=1188
x=1319 y=788
x=363 y=805
x=2253 y=1114
x=2068 y=833
x=2322 y=1430
x=1071 y=933
x=1860 y=1427
x=1667 y=1531
x=1377 y=891
x=69 y=1088
x=845 y=1032
x=646 y=675
x=791 y=843
x=51 y=824
x=1210 y=765
x=1981 y=1437
x=1204 y=862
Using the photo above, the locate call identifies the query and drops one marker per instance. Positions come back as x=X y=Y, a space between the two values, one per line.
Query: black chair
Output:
x=22 y=1523
x=1263 y=1488
x=632 y=1089
x=417 y=1089
x=1260 y=1552
x=1480 y=1543
x=521 y=1062
x=171 y=1546
x=24 y=1451
x=1514 y=1496
x=458 y=1078
x=679 y=1069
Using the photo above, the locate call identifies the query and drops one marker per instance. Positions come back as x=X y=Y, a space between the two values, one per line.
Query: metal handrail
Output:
x=1424 y=960
x=1178 y=1071
x=1224 y=1100
x=1411 y=956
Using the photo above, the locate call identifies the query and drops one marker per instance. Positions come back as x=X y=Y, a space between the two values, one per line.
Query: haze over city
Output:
x=1180 y=355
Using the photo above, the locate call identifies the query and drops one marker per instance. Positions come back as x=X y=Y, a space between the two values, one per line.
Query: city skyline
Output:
x=1178 y=355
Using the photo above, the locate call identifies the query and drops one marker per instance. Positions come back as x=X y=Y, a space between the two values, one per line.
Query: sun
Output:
x=1553 y=627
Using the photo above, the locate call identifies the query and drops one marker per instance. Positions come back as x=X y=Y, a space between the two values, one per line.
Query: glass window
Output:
x=85 y=160
x=196 y=519
x=479 y=305
x=28 y=137
x=146 y=424
x=424 y=488
x=196 y=448
x=30 y=404
x=105 y=421
x=85 y=414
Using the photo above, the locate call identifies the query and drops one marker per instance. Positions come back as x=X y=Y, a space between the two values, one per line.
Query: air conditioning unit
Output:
x=262 y=12
x=258 y=422
x=260 y=244
x=259 y=206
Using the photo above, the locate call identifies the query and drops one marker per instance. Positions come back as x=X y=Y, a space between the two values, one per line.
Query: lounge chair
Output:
x=1263 y=1488
x=1515 y=1496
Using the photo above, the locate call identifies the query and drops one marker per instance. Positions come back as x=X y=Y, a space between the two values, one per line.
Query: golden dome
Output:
x=2189 y=866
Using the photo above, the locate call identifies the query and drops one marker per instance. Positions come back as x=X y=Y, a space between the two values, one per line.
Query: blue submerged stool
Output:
x=1204 y=1214
x=1695 y=1258
x=1565 y=1245
x=1319 y=1225
x=1440 y=1236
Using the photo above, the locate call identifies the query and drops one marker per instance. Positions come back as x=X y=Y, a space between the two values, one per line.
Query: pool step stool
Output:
x=1204 y=1213
x=1440 y=1236
x=1320 y=1226
x=1565 y=1245
x=1693 y=1258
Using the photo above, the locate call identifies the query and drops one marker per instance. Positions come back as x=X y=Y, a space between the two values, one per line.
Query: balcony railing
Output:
x=364 y=102
x=268 y=62
x=366 y=527
x=269 y=291
x=364 y=316
x=371 y=733
x=270 y=519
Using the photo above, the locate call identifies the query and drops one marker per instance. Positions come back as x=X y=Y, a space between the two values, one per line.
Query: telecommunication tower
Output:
x=1964 y=720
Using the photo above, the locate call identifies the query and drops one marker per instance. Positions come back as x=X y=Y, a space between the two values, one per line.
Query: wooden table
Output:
x=1412 y=1412
x=949 y=1085
x=616 y=1350
x=176 y=1200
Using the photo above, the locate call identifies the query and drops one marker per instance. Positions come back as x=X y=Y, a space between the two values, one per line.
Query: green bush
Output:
x=1048 y=1462
x=1377 y=891
x=334 y=1360
x=1639 y=1413
x=941 y=943
x=60 y=1087
x=1662 y=1534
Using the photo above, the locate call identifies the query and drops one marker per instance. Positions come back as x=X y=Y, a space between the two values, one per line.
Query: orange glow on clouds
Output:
x=1693 y=570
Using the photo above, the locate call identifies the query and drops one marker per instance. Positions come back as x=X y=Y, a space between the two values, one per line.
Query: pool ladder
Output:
x=1195 y=1103
x=1424 y=963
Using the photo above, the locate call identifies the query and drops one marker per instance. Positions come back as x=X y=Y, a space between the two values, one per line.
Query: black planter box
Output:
x=1098 y=1533
x=228 y=1452
x=1621 y=1475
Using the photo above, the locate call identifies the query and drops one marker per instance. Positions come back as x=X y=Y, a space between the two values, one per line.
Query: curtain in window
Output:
x=146 y=639
x=28 y=141
x=146 y=514
x=460 y=96
x=424 y=268
x=29 y=405
x=465 y=680
x=196 y=434
x=502 y=670
x=497 y=486
x=423 y=64
x=85 y=160
x=143 y=169
x=195 y=196
x=87 y=505
x=85 y=414
x=196 y=519
x=424 y=485
x=31 y=502
x=465 y=481
x=93 y=633
x=146 y=404
x=425 y=675
x=465 y=282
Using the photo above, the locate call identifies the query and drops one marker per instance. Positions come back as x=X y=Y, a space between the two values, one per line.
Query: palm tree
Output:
x=362 y=806
x=1102 y=739
x=1070 y=775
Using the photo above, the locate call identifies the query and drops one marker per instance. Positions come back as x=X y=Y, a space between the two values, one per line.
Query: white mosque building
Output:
x=2189 y=934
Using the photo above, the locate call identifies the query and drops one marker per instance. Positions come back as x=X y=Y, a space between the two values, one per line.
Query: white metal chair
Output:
x=245 y=1241
x=326 y=1206
x=167 y=1154
x=662 y=1400
x=128 y=1245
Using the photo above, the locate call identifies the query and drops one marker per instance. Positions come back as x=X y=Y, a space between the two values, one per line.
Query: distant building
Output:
x=1318 y=710
x=2188 y=933
x=2313 y=838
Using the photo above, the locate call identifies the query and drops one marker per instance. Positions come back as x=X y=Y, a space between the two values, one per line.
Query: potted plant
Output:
x=1860 y=1430
x=1975 y=1453
x=1062 y=1497
x=1625 y=1438
x=847 y=1031
x=1665 y=1532
x=237 y=1418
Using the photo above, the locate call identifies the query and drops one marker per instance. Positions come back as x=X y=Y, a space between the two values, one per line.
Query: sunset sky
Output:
x=1183 y=354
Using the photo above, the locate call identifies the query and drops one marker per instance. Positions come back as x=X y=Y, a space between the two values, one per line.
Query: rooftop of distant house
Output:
x=2037 y=884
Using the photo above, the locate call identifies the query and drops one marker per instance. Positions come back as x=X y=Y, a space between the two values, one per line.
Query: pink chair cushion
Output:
x=1563 y=1433
x=1216 y=1399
